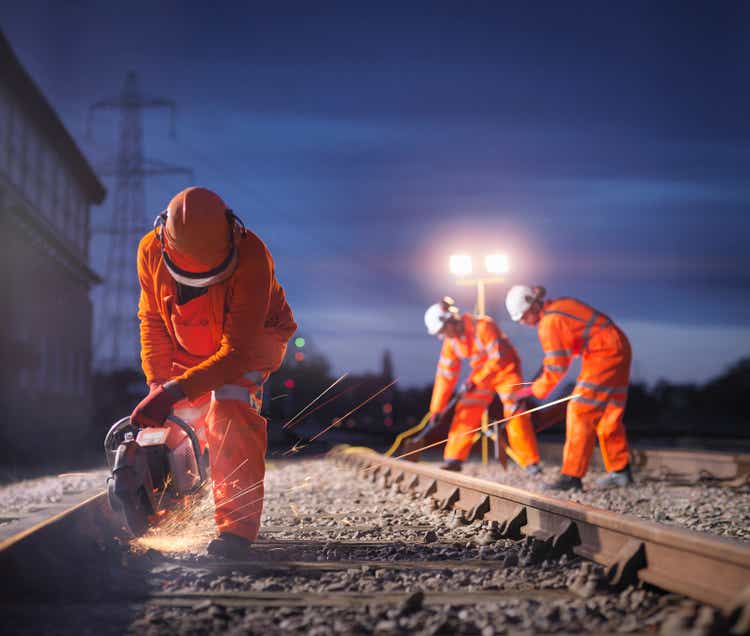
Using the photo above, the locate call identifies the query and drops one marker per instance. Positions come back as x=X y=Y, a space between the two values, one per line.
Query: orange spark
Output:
x=356 y=408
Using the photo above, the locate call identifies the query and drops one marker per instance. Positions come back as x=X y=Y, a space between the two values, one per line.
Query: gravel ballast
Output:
x=340 y=555
x=703 y=506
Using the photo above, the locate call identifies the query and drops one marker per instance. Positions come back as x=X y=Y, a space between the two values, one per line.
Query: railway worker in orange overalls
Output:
x=567 y=327
x=495 y=368
x=214 y=324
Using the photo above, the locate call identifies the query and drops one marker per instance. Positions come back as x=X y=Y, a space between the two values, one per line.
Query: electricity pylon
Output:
x=116 y=340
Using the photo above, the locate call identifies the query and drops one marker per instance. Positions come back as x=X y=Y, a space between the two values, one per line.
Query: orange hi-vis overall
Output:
x=495 y=368
x=569 y=328
x=221 y=346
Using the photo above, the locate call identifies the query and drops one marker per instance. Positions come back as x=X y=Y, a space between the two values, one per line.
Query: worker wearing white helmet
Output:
x=495 y=368
x=567 y=327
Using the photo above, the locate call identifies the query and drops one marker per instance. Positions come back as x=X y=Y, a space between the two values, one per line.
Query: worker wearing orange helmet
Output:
x=567 y=327
x=495 y=368
x=214 y=324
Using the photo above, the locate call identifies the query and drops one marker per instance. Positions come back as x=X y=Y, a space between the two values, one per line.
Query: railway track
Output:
x=343 y=556
x=689 y=466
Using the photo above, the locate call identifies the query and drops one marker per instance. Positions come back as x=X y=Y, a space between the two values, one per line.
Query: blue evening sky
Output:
x=604 y=146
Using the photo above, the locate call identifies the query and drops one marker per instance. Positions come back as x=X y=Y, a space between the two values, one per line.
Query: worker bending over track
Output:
x=495 y=368
x=567 y=327
x=214 y=324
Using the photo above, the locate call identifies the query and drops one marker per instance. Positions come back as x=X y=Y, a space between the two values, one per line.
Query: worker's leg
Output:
x=521 y=436
x=604 y=380
x=580 y=433
x=612 y=439
x=237 y=449
x=468 y=417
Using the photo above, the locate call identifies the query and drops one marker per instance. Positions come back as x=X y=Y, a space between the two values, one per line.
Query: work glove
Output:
x=469 y=386
x=522 y=393
x=157 y=405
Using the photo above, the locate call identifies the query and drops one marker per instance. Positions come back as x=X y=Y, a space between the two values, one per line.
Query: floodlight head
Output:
x=497 y=263
x=460 y=264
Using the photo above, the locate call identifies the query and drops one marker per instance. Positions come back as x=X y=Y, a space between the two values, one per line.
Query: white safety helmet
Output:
x=518 y=301
x=439 y=313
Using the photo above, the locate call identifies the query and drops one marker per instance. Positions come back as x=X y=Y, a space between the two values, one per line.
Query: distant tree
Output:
x=387 y=371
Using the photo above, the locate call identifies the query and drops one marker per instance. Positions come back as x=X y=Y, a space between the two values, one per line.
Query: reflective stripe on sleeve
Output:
x=446 y=374
x=256 y=377
x=448 y=362
x=456 y=348
x=555 y=368
x=235 y=392
x=562 y=313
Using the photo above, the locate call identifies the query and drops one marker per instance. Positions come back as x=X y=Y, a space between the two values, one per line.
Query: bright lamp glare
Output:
x=497 y=263
x=460 y=264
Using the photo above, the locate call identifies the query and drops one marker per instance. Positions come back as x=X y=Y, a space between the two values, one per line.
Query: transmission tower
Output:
x=116 y=338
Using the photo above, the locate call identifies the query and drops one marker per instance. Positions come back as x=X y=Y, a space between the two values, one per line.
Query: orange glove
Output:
x=157 y=405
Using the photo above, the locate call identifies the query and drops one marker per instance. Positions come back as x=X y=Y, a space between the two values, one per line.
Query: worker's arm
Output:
x=556 y=355
x=489 y=337
x=157 y=350
x=446 y=377
x=242 y=347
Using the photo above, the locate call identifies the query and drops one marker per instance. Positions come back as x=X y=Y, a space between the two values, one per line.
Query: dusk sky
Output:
x=604 y=146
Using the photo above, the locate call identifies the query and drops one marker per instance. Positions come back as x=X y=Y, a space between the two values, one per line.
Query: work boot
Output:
x=564 y=482
x=533 y=469
x=453 y=464
x=616 y=479
x=229 y=546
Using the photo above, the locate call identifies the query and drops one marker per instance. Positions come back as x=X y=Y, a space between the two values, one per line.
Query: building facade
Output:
x=46 y=190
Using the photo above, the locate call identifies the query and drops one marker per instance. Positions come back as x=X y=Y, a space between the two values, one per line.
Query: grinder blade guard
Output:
x=145 y=468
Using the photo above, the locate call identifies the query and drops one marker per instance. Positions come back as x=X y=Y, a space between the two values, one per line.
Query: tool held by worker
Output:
x=152 y=468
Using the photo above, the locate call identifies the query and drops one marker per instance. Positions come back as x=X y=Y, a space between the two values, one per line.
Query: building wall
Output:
x=46 y=325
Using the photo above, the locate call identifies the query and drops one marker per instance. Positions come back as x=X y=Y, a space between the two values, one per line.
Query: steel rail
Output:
x=713 y=570
x=673 y=463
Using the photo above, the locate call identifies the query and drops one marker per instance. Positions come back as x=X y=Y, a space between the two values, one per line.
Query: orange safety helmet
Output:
x=197 y=233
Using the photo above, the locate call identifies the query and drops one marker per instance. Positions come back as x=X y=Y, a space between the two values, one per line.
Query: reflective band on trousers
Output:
x=585 y=400
x=558 y=353
x=234 y=392
x=481 y=392
x=446 y=374
x=555 y=367
x=472 y=402
x=601 y=388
